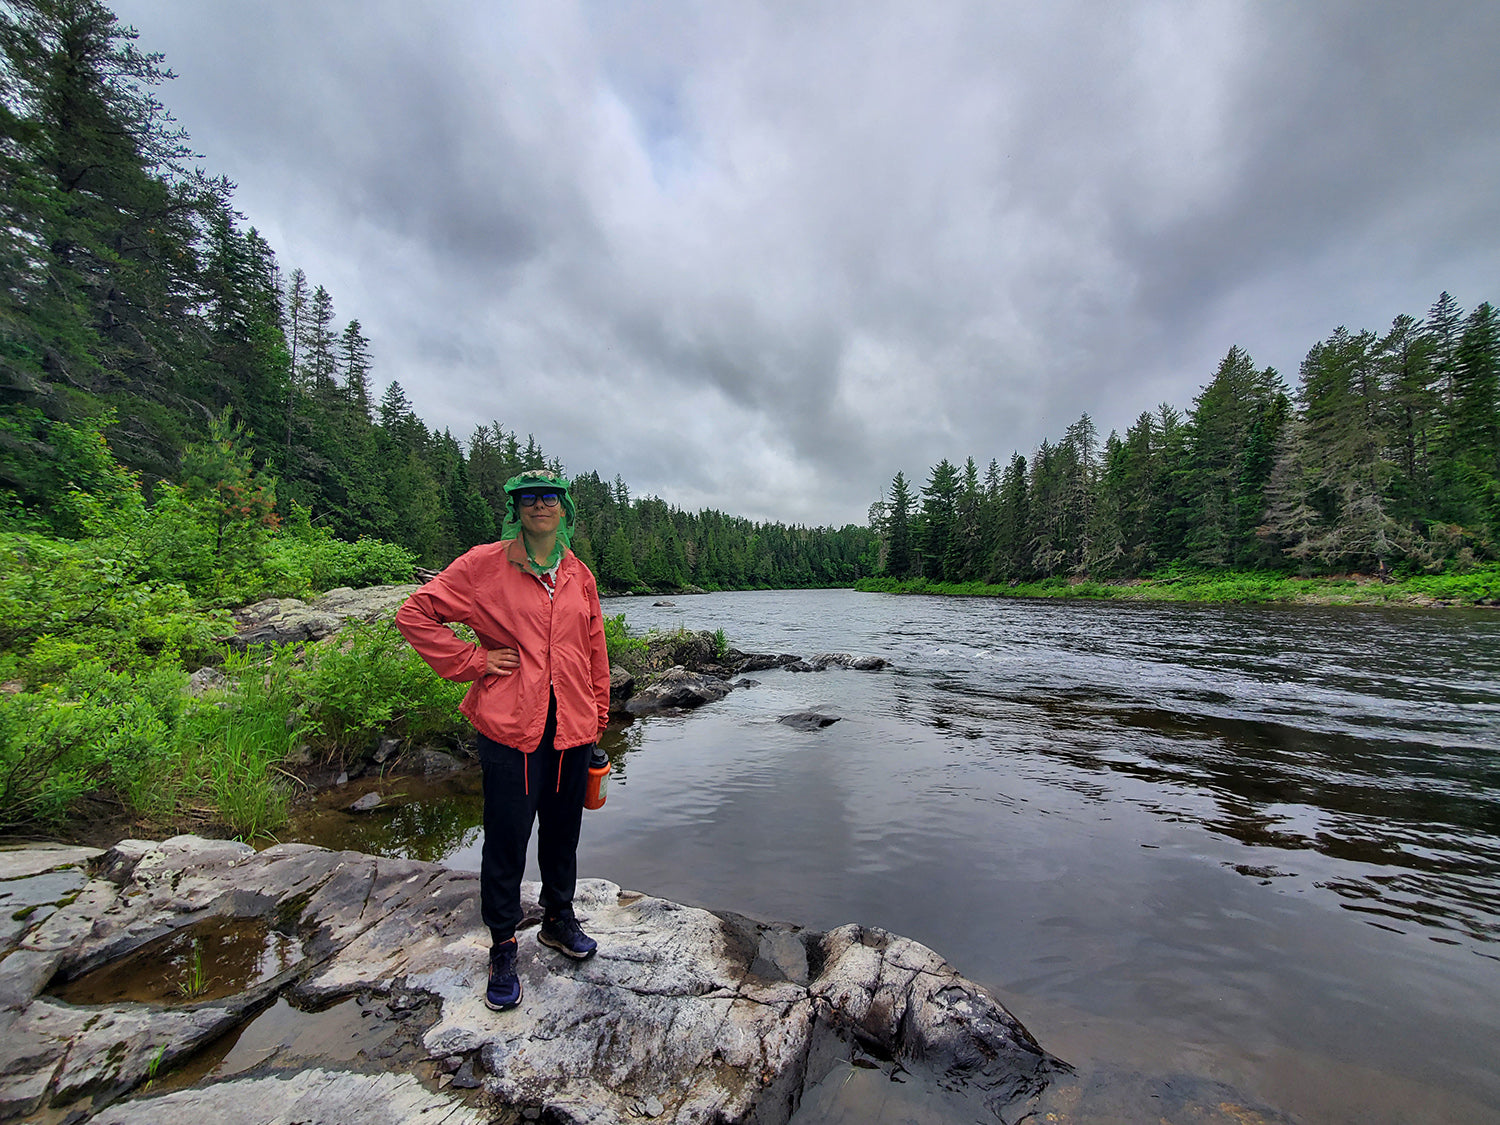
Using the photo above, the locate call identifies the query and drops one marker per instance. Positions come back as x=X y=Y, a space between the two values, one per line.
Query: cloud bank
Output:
x=761 y=256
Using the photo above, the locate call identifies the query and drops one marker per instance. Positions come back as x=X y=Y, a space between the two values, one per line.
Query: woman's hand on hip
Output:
x=501 y=661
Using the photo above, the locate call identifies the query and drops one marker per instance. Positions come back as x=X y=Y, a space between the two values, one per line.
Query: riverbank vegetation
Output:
x=1479 y=586
x=1384 y=460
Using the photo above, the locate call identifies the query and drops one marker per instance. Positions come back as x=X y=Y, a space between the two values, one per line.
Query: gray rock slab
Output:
x=23 y=1094
x=111 y=1049
x=23 y=974
x=26 y=902
x=364 y=604
x=310 y=1097
x=710 y=1017
x=33 y=859
x=280 y=621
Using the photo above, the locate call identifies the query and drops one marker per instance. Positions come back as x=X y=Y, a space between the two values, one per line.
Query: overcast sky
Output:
x=760 y=256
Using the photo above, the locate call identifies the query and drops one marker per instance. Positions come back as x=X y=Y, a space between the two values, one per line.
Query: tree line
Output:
x=1386 y=455
x=135 y=301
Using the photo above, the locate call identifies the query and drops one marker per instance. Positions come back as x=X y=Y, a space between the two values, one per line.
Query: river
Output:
x=1256 y=847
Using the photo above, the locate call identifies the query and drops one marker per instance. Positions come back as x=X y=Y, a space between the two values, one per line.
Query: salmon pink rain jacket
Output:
x=560 y=639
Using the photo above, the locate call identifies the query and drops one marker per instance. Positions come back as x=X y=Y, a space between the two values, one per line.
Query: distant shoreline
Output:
x=1477 y=588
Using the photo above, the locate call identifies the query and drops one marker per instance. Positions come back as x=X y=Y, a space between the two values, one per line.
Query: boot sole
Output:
x=553 y=943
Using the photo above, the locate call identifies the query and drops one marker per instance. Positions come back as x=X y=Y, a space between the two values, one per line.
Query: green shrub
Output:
x=95 y=727
x=370 y=682
x=303 y=560
x=617 y=638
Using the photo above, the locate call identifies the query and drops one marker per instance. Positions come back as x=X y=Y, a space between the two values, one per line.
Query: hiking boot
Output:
x=504 y=989
x=563 y=934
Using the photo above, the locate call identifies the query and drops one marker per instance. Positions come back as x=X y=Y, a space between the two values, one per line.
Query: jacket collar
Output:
x=515 y=552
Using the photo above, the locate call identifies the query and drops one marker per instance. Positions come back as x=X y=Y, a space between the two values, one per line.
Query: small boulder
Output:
x=436 y=761
x=678 y=688
x=368 y=803
x=621 y=687
x=205 y=680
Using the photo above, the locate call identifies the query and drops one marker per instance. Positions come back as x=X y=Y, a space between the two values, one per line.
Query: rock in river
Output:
x=687 y=1015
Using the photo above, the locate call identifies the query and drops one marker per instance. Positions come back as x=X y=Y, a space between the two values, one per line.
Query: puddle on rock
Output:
x=283 y=1036
x=209 y=960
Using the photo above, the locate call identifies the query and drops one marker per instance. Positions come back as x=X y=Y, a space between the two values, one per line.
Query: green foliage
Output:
x=193 y=984
x=618 y=641
x=1481 y=584
x=369 y=683
x=62 y=601
x=93 y=728
x=242 y=753
x=304 y=559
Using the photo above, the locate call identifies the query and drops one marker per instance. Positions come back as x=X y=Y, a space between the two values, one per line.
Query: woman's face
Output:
x=540 y=518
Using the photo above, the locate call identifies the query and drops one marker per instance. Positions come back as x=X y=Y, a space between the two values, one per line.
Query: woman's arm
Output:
x=423 y=622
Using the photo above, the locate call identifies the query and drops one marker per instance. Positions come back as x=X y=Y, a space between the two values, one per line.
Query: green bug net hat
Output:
x=540 y=480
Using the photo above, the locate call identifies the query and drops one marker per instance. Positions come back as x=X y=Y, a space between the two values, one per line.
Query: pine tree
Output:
x=1340 y=455
x=1410 y=416
x=1011 y=556
x=900 y=561
x=938 y=524
x=295 y=331
x=100 y=225
x=354 y=365
x=1228 y=451
x=319 y=349
x=1441 y=332
x=1472 y=448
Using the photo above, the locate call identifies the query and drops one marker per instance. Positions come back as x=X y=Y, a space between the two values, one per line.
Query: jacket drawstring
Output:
x=559 y=769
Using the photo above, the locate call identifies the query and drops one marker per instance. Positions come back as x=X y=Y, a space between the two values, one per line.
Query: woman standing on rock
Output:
x=539 y=700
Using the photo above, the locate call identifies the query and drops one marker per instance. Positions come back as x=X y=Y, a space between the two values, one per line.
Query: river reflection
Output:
x=1258 y=846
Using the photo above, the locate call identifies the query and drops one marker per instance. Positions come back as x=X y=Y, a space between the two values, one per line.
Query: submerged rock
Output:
x=684 y=1016
x=368 y=803
x=761 y=661
x=807 y=720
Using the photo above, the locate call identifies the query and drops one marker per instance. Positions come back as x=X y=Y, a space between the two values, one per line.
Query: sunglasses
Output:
x=529 y=499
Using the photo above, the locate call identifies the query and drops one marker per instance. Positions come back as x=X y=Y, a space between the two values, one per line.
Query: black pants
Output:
x=545 y=786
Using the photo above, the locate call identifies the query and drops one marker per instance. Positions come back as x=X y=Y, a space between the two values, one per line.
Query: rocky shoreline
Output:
x=377 y=967
x=673 y=671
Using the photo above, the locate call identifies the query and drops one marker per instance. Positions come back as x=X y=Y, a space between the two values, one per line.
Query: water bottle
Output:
x=598 y=786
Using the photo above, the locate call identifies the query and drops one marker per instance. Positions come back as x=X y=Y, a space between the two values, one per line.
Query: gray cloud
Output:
x=760 y=256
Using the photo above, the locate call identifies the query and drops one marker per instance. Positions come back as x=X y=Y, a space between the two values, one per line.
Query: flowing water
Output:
x=1257 y=847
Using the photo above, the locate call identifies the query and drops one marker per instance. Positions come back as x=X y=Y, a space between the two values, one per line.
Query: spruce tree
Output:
x=900 y=560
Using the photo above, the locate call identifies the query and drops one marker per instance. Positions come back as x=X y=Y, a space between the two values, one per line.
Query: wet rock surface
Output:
x=684 y=1016
x=807 y=720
